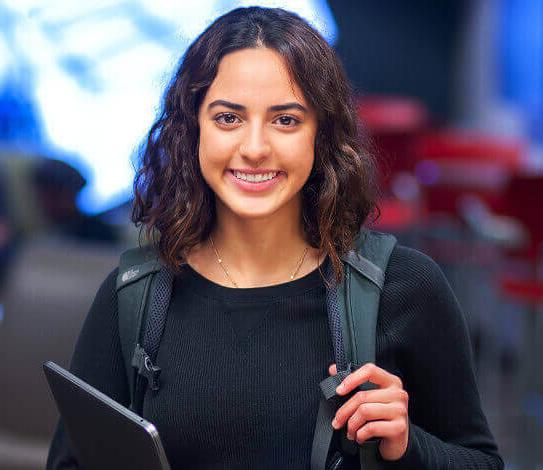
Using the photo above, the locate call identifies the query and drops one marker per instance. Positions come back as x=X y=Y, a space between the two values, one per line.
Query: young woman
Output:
x=253 y=180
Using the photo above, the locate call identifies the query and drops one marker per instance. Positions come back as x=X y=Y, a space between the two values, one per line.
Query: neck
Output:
x=262 y=251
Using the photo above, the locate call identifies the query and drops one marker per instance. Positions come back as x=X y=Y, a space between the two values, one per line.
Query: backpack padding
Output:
x=362 y=297
x=136 y=271
x=145 y=351
x=160 y=292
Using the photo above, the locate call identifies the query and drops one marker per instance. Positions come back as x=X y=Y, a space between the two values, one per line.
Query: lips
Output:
x=255 y=186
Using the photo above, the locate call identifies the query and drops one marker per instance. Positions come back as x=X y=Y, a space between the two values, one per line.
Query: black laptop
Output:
x=105 y=434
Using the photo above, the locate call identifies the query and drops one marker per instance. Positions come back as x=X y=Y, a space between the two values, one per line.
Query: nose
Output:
x=255 y=146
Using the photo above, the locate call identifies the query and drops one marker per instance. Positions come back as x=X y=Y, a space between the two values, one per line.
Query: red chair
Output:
x=451 y=164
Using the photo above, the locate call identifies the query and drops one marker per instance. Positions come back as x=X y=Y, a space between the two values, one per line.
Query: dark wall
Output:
x=406 y=47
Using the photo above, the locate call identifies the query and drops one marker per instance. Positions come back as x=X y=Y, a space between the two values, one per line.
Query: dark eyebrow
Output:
x=227 y=104
x=287 y=106
x=275 y=108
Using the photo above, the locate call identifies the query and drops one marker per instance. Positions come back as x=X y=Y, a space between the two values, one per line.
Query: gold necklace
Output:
x=225 y=269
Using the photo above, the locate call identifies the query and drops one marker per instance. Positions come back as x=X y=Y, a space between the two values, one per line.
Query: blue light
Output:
x=521 y=60
x=95 y=71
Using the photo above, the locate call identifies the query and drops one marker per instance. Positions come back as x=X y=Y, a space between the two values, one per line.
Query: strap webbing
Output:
x=329 y=384
x=369 y=455
x=324 y=433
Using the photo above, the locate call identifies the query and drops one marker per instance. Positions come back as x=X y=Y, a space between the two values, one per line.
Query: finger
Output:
x=373 y=412
x=332 y=370
x=382 y=395
x=383 y=429
x=368 y=372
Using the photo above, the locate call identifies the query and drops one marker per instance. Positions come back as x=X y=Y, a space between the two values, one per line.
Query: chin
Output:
x=255 y=208
x=253 y=213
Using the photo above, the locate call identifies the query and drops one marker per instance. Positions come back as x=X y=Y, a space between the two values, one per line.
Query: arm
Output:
x=427 y=413
x=447 y=426
x=98 y=360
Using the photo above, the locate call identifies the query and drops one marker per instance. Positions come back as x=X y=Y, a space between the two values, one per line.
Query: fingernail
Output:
x=350 y=437
x=340 y=388
x=335 y=423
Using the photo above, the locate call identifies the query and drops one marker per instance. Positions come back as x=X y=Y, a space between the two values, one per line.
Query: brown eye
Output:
x=287 y=121
x=226 y=118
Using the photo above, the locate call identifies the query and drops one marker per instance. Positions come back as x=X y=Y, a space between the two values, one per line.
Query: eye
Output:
x=227 y=118
x=287 y=121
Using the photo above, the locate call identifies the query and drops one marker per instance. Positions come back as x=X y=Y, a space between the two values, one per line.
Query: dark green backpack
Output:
x=144 y=290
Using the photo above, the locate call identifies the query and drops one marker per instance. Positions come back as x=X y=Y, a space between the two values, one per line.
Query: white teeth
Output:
x=255 y=178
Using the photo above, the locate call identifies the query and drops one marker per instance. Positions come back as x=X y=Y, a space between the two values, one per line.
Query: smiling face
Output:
x=257 y=136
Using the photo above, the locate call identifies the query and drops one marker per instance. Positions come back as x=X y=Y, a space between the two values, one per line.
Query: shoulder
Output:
x=413 y=280
x=418 y=310
x=411 y=268
x=112 y=276
x=109 y=283
x=105 y=301
x=99 y=327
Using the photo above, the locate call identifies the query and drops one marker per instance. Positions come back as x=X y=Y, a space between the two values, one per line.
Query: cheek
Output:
x=213 y=149
x=300 y=155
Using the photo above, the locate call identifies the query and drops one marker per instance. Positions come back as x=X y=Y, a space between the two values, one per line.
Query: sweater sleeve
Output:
x=97 y=359
x=448 y=429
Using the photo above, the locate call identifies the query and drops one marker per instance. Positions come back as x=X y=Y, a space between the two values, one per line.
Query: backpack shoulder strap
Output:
x=137 y=268
x=364 y=280
x=353 y=307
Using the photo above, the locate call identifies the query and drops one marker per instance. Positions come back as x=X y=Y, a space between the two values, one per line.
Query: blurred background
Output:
x=450 y=94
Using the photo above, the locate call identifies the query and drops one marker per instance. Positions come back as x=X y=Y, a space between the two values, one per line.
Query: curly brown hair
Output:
x=172 y=200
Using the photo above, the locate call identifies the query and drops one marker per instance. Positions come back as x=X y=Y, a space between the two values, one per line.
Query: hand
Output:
x=375 y=413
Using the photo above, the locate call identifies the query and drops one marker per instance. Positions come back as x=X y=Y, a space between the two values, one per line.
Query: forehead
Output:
x=253 y=76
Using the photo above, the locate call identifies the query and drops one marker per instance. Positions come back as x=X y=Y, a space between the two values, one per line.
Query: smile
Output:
x=255 y=178
x=255 y=182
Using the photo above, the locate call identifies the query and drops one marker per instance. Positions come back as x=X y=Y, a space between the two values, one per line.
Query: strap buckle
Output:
x=142 y=362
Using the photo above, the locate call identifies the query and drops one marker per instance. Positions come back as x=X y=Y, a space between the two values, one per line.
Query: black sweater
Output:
x=241 y=367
